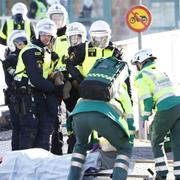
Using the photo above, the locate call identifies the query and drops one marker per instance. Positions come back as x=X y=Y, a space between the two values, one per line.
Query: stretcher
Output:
x=107 y=174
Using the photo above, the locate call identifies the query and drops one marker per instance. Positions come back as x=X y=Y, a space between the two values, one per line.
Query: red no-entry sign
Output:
x=139 y=18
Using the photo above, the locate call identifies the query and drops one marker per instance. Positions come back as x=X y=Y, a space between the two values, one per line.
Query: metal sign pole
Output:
x=139 y=19
x=140 y=33
x=142 y=125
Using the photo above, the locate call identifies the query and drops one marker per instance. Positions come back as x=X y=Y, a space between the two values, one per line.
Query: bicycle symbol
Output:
x=138 y=18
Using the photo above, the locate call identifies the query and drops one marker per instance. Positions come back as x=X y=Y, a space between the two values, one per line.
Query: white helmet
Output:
x=19 y=8
x=46 y=26
x=142 y=55
x=16 y=36
x=100 y=34
x=76 y=33
x=58 y=9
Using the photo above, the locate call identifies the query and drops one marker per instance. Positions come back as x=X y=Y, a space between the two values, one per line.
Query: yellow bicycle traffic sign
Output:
x=139 y=18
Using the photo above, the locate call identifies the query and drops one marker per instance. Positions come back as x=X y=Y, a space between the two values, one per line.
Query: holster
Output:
x=25 y=100
x=15 y=102
x=6 y=96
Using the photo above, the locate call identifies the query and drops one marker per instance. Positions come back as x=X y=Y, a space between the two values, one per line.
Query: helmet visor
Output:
x=20 y=40
x=100 y=41
x=75 y=39
x=58 y=20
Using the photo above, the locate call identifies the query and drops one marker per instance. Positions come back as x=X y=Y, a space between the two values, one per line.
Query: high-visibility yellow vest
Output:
x=20 y=67
x=41 y=10
x=92 y=54
x=10 y=28
x=47 y=65
x=61 y=48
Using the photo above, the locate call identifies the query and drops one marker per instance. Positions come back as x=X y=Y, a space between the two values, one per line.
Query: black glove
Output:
x=6 y=52
x=54 y=56
x=65 y=59
x=58 y=90
x=117 y=53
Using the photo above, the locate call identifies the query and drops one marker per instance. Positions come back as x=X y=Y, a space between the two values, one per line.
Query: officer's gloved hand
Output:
x=58 y=90
x=54 y=56
x=6 y=52
x=65 y=59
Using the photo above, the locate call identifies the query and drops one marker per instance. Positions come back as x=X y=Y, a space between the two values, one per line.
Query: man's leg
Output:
x=163 y=122
x=82 y=132
x=117 y=138
x=175 y=136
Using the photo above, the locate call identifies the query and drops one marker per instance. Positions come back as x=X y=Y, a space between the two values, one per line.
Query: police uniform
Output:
x=60 y=48
x=84 y=57
x=9 y=67
x=38 y=9
x=156 y=92
x=11 y=25
x=37 y=123
x=109 y=119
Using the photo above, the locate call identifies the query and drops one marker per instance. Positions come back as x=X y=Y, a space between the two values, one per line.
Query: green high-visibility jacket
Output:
x=155 y=90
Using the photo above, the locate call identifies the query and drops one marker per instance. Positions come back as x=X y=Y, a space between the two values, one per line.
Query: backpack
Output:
x=103 y=80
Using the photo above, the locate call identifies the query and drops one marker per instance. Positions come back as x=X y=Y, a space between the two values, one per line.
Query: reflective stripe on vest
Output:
x=92 y=54
x=61 y=48
x=163 y=87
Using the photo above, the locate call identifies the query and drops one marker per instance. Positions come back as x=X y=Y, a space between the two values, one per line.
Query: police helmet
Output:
x=19 y=8
x=61 y=14
x=16 y=36
x=100 y=34
x=143 y=55
x=46 y=26
x=76 y=33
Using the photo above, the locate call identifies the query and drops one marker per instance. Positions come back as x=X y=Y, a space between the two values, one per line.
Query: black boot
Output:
x=57 y=143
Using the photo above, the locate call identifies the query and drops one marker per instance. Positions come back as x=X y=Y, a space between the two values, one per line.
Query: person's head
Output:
x=46 y=31
x=100 y=34
x=76 y=33
x=19 y=12
x=17 y=40
x=142 y=57
x=58 y=14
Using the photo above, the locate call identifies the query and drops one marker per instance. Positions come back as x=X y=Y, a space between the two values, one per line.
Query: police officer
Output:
x=83 y=56
x=107 y=118
x=59 y=15
x=38 y=9
x=100 y=46
x=157 y=93
x=37 y=121
x=16 y=41
x=76 y=37
x=18 y=21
